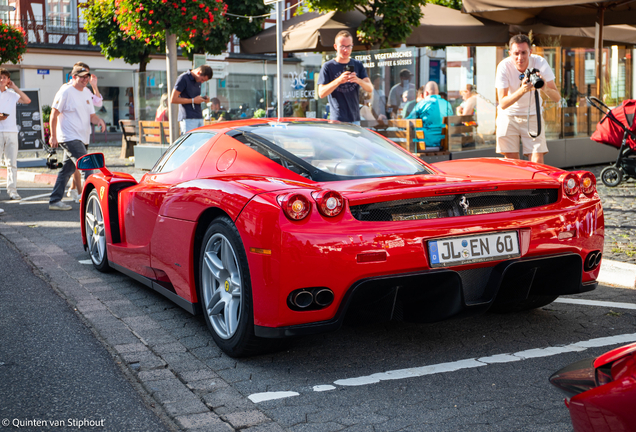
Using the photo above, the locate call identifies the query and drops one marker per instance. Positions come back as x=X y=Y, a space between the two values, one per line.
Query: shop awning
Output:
x=577 y=37
x=311 y=32
x=445 y=26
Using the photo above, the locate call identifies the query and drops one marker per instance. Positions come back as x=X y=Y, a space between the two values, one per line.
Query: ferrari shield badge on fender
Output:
x=101 y=192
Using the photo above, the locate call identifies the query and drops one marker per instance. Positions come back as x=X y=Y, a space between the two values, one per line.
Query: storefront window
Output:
x=60 y=16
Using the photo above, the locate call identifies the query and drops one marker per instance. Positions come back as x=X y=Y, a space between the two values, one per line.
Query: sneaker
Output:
x=15 y=196
x=59 y=206
x=74 y=195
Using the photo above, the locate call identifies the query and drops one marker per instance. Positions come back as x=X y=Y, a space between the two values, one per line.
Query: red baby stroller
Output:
x=618 y=129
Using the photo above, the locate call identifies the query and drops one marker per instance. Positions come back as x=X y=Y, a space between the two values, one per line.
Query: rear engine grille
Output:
x=454 y=205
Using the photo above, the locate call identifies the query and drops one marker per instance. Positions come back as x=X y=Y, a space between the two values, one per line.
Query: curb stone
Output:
x=616 y=273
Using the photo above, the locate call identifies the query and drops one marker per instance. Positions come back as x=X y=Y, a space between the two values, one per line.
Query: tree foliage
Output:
x=454 y=4
x=104 y=31
x=135 y=29
x=387 y=22
x=12 y=43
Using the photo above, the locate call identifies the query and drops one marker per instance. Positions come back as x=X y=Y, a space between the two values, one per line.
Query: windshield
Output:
x=339 y=149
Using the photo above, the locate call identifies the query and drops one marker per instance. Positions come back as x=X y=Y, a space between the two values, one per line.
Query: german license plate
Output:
x=471 y=249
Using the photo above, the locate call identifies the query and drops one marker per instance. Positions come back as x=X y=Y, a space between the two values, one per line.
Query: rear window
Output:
x=342 y=150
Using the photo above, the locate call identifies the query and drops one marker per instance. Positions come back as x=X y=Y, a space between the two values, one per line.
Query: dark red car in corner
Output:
x=601 y=392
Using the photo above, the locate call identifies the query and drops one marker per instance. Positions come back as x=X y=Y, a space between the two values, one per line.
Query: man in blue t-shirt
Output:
x=187 y=94
x=341 y=79
x=432 y=110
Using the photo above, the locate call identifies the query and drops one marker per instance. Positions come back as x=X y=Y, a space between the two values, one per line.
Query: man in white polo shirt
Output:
x=517 y=114
x=10 y=95
x=72 y=113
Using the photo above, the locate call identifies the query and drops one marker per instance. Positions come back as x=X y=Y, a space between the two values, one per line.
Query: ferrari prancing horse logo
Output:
x=101 y=192
x=227 y=286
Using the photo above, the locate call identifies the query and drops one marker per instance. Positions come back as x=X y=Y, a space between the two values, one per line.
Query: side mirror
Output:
x=93 y=161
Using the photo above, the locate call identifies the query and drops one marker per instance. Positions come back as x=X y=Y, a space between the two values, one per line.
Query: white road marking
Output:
x=88 y=262
x=460 y=364
x=266 y=396
x=483 y=361
x=322 y=388
x=608 y=304
x=34 y=197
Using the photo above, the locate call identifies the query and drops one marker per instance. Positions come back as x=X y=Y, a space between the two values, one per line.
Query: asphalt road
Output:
x=488 y=373
x=55 y=375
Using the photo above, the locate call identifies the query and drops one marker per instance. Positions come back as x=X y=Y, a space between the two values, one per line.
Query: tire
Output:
x=225 y=291
x=532 y=302
x=95 y=232
x=611 y=176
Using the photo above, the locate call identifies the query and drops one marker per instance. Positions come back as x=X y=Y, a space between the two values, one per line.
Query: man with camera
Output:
x=10 y=96
x=519 y=112
x=187 y=94
x=72 y=113
x=341 y=78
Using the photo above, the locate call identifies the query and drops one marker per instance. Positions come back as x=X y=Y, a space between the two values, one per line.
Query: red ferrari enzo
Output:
x=281 y=228
x=601 y=392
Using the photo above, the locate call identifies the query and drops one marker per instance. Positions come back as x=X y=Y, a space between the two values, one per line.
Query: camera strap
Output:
x=538 y=109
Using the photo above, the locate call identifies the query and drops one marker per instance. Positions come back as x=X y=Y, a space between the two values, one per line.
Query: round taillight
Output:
x=329 y=203
x=295 y=206
x=571 y=184
x=588 y=183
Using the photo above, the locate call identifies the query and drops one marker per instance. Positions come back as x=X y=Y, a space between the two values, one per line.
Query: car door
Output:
x=140 y=204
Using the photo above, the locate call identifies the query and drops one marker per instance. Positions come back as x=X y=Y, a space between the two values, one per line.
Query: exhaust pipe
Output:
x=324 y=297
x=598 y=259
x=592 y=260
x=302 y=299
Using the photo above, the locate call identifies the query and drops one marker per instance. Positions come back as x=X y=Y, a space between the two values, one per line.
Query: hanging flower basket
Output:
x=12 y=43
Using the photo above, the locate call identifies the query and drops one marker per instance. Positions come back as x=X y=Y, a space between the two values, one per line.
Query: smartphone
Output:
x=349 y=68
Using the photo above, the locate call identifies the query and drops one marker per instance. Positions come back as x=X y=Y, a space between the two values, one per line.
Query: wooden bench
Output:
x=460 y=132
x=154 y=140
x=402 y=131
x=154 y=132
x=129 y=138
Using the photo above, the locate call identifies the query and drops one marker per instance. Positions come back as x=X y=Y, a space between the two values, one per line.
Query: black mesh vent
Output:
x=454 y=205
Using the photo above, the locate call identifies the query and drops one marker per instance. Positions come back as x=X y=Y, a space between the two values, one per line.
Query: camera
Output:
x=51 y=159
x=533 y=78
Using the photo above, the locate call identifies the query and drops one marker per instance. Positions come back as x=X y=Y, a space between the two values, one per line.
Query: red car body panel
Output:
x=157 y=222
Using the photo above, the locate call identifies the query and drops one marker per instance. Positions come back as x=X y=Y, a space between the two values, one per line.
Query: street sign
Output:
x=7 y=8
x=43 y=71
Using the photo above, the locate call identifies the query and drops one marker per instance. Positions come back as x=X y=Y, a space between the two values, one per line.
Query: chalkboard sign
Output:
x=29 y=119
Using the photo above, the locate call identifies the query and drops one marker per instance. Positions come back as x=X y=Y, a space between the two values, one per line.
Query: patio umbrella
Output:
x=579 y=37
x=559 y=13
x=311 y=32
x=441 y=25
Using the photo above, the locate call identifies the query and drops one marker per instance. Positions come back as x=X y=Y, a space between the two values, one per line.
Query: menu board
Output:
x=29 y=120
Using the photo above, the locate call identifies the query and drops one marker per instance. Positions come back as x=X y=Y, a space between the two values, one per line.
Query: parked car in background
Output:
x=281 y=228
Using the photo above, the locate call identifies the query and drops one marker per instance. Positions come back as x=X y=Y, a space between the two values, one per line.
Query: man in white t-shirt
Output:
x=72 y=113
x=516 y=100
x=10 y=95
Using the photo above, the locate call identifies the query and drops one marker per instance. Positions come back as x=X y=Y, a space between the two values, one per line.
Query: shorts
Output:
x=511 y=128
